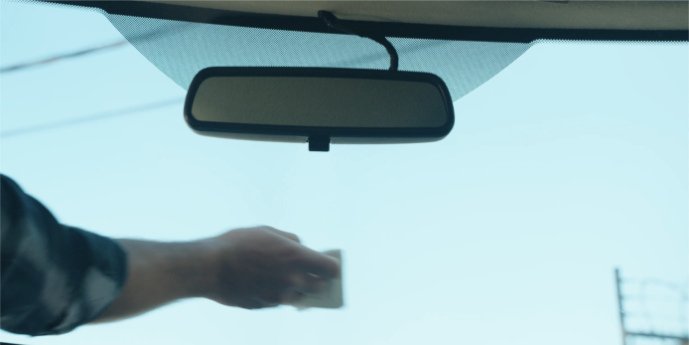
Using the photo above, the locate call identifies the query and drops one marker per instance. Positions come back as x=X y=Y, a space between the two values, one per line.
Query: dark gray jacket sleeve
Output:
x=54 y=277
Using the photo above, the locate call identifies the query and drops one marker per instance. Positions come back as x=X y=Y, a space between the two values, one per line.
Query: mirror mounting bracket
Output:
x=319 y=143
x=334 y=23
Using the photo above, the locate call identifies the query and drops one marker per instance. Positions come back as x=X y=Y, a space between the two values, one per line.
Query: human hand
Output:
x=263 y=267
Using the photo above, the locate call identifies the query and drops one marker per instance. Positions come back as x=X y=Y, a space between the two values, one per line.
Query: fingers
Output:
x=312 y=261
x=301 y=285
x=321 y=265
x=291 y=289
x=309 y=275
x=267 y=267
x=286 y=234
x=291 y=296
x=306 y=283
x=259 y=303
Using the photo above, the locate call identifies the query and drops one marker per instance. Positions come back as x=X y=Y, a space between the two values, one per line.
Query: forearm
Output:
x=56 y=277
x=248 y=268
x=160 y=273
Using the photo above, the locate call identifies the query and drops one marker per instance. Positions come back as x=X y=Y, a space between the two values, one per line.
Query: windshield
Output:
x=181 y=49
x=571 y=161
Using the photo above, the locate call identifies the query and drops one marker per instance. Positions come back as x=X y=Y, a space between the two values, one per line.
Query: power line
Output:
x=88 y=118
x=153 y=34
x=59 y=57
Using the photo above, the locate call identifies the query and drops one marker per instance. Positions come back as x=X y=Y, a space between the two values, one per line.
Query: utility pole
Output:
x=628 y=334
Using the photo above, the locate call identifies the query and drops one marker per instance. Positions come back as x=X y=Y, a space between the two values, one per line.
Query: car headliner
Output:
x=464 y=54
x=497 y=21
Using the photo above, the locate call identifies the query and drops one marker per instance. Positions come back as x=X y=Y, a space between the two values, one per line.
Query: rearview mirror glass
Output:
x=319 y=105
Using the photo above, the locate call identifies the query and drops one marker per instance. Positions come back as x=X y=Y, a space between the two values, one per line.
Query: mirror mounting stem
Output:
x=319 y=143
x=332 y=22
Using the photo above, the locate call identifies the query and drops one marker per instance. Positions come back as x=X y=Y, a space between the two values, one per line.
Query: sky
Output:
x=570 y=162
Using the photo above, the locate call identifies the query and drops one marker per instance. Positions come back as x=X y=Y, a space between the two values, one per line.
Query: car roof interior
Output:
x=496 y=21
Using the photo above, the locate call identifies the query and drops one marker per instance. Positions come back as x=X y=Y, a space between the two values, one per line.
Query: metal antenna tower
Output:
x=632 y=333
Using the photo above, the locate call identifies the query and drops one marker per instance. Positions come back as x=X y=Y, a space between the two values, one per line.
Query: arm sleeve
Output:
x=54 y=277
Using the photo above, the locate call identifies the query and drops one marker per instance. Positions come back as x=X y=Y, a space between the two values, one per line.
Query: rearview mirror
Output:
x=319 y=105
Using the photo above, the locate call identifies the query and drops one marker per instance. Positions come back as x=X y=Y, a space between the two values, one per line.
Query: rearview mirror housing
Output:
x=319 y=105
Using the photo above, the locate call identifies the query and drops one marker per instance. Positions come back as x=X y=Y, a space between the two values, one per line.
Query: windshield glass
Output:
x=570 y=162
x=181 y=49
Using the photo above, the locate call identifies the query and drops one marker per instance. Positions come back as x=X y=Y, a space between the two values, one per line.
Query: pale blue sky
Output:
x=572 y=161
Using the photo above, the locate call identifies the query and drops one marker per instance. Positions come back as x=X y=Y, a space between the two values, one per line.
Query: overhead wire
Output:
x=89 y=118
x=60 y=57
x=153 y=34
